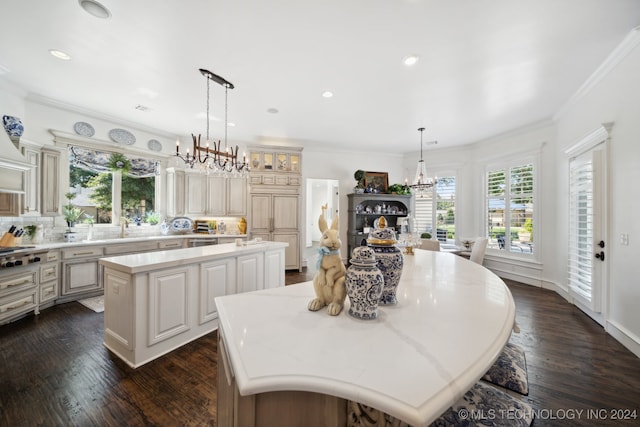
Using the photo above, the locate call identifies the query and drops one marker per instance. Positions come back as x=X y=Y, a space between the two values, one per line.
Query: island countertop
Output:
x=150 y=261
x=452 y=319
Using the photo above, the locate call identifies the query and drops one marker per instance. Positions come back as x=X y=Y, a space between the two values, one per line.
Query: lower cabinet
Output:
x=217 y=278
x=250 y=272
x=81 y=273
x=18 y=294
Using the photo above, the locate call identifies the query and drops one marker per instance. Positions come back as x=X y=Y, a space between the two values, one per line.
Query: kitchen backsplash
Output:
x=54 y=234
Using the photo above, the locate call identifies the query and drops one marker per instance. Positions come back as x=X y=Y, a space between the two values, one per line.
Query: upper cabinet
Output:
x=192 y=193
x=50 y=182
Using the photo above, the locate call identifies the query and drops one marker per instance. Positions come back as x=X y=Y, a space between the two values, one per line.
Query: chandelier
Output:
x=213 y=156
x=421 y=182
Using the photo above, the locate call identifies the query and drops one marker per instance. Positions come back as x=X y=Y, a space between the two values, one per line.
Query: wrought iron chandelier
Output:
x=422 y=182
x=223 y=161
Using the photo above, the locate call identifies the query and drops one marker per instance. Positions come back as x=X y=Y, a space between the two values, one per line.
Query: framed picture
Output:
x=376 y=182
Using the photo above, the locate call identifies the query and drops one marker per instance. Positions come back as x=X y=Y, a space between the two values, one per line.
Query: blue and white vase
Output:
x=364 y=283
x=13 y=126
x=388 y=258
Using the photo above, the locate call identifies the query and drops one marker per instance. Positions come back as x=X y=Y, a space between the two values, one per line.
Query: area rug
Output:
x=96 y=303
x=485 y=405
x=510 y=370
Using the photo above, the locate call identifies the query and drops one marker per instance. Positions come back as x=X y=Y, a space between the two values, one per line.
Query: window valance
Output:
x=99 y=161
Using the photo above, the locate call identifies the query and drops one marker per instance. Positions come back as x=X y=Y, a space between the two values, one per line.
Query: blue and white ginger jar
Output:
x=13 y=126
x=389 y=260
x=364 y=283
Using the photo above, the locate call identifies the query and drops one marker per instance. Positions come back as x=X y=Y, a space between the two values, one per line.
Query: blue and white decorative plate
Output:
x=154 y=145
x=84 y=129
x=13 y=126
x=181 y=224
x=122 y=136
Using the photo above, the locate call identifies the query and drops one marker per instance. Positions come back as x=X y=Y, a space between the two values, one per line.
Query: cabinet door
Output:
x=31 y=198
x=261 y=219
x=217 y=278
x=81 y=276
x=291 y=252
x=50 y=175
x=9 y=204
x=216 y=195
x=196 y=194
x=250 y=272
x=285 y=212
x=274 y=269
x=237 y=196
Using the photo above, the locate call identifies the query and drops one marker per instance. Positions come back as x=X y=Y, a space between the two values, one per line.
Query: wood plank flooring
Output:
x=55 y=371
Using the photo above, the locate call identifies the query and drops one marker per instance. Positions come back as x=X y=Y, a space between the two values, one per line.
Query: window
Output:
x=441 y=215
x=110 y=185
x=510 y=207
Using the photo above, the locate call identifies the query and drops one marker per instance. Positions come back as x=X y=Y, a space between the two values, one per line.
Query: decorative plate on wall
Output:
x=122 y=136
x=154 y=145
x=84 y=129
x=181 y=224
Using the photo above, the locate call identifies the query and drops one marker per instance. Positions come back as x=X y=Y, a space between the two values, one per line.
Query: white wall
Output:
x=615 y=98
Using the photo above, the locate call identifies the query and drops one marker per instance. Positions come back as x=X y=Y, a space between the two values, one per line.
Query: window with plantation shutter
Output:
x=510 y=208
x=435 y=210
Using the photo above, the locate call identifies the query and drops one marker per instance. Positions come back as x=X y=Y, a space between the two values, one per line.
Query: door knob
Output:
x=601 y=244
x=600 y=256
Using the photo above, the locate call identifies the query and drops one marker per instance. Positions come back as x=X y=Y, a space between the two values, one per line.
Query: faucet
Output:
x=124 y=225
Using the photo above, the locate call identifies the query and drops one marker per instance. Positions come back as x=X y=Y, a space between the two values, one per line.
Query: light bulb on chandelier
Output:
x=223 y=161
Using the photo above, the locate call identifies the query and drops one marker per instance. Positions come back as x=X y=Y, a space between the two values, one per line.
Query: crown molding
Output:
x=619 y=53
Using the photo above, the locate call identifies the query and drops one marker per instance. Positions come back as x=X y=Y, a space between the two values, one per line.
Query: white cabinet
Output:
x=81 y=273
x=50 y=178
x=193 y=193
x=250 y=272
x=217 y=278
x=273 y=269
x=18 y=294
x=9 y=204
x=48 y=280
x=31 y=178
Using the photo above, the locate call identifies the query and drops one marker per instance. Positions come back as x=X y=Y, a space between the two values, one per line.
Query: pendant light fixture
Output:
x=421 y=182
x=223 y=161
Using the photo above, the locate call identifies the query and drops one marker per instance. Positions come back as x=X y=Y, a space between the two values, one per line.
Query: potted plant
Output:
x=359 y=177
x=152 y=217
x=71 y=212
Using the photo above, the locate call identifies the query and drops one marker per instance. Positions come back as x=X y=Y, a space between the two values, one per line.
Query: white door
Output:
x=587 y=231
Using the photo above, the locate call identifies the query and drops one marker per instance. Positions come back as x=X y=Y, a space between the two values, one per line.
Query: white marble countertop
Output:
x=149 y=261
x=450 y=324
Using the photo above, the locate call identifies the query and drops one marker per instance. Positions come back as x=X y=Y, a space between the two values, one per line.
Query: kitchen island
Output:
x=156 y=302
x=281 y=364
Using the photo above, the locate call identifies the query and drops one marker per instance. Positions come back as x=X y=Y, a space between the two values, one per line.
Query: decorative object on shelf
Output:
x=421 y=182
x=14 y=127
x=328 y=283
x=359 y=177
x=119 y=163
x=84 y=129
x=364 y=283
x=164 y=227
x=399 y=189
x=222 y=227
x=154 y=145
x=388 y=258
x=242 y=226
x=220 y=160
x=376 y=182
x=122 y=136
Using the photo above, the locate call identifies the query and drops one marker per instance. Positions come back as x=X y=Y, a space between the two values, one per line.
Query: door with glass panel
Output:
x=587 y=242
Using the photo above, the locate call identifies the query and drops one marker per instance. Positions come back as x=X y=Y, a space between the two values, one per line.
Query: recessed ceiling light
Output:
x=60 y=54
x=327 y=94
x=272 y=110
x=94 y=8
x=410 y=60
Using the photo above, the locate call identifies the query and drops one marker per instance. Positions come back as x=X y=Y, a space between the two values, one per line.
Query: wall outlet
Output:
x=624 y=239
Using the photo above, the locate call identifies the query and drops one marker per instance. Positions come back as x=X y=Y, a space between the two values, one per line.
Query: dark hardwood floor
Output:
x=54 y=370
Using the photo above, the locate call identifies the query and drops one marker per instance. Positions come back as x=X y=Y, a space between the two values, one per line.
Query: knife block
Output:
x=8 y=240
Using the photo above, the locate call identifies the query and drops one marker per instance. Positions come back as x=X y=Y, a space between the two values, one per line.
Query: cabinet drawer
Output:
x=52 y=256
x=282 y=180
x=294 y=180
x=255 y=179
x=172 y=244
x=17 y=303
x=268 y=179
x=17 y=282
x=80 y=252
x=48 y=272
x=130 y=248
x=48 y=291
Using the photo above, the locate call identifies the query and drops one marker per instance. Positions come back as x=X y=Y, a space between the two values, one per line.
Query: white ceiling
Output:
x=485 y=67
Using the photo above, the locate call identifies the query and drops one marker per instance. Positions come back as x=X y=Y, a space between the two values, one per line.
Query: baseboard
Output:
x=624 y=337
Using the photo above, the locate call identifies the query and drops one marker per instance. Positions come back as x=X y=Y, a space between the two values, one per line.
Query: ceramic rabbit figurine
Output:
x=328 y=282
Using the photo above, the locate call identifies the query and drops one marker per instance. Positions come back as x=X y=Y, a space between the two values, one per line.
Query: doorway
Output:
x=320 y=192
x=587 y=224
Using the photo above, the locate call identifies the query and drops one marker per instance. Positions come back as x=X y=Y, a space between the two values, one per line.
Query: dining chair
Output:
x=430 y=245
x=478 y=249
